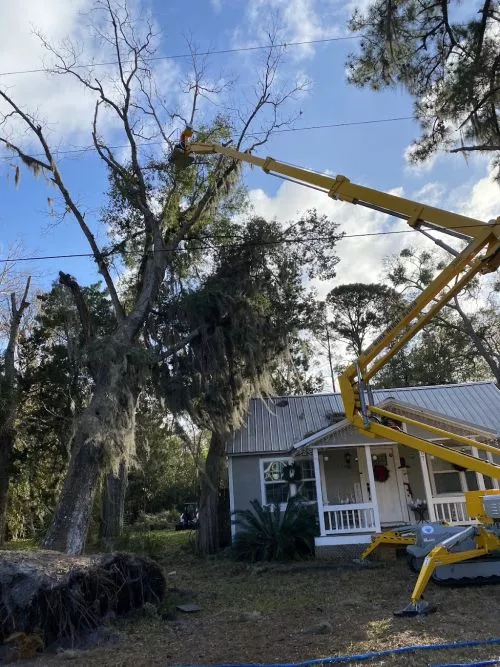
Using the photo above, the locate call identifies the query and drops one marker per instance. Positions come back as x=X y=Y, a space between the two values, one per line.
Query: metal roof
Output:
x=275 y=424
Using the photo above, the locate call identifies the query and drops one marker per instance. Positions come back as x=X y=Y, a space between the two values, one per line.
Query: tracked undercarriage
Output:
x=450 y=555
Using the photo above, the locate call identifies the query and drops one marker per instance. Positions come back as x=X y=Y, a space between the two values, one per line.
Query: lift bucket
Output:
x=180 y=159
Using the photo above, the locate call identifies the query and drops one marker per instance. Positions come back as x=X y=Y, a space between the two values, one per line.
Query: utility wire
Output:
x=179 y=56
x=86 y=149
x=244 y=244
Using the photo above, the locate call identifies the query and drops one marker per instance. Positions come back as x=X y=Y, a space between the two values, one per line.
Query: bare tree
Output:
x=9 y=402
x=159 y=208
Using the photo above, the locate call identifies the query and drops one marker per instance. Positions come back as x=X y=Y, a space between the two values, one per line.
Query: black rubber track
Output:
x=467 y=581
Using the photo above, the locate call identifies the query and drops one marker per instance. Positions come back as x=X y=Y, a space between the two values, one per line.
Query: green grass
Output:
x=21 y=545
x=160 y=545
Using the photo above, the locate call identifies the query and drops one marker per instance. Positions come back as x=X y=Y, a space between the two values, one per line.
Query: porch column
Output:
x=480 y=479
x=427 y=487
x=371 y=481
x=494 y=481
x=231 y=495
x=319 y=491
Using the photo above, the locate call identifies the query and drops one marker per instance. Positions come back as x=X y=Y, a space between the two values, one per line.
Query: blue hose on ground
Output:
x=334 y=660
x=482 y=663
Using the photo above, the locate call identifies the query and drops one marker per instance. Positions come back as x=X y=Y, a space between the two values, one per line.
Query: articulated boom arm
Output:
x=481 y=255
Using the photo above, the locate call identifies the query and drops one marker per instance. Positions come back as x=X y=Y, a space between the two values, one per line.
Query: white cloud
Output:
x=481 y=201
x=300 y=21
x=418 y=168
x=60 y=101
x=362 y=5
x=362 y=257
x=431 y=193
x=57 y=99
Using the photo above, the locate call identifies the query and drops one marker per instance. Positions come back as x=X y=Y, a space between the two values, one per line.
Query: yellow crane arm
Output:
x=481 y=255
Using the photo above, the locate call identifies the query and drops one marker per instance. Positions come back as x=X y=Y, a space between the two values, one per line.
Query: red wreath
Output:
x=380 y=472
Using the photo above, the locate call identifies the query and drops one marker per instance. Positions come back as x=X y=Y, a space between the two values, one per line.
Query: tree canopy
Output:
x=359 y=311
x=447 y=56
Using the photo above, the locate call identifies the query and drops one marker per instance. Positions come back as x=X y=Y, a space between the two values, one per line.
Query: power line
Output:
x=341 y=124
x=179 y=56
x=308 y=239
x=86 y=149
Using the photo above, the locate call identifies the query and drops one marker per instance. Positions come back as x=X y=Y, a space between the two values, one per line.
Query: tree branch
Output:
x=52 y=168
x=170 y=351
x=15 y=322
x=481 y=147
x=80 y=303
x=478 y=341
x=9 y=393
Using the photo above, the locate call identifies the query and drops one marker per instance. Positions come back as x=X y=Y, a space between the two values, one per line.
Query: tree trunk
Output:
x=113 y=504
x=207 y=542
x=6 y=450
x=104 y=435
x=9 y=403
x=330 y=358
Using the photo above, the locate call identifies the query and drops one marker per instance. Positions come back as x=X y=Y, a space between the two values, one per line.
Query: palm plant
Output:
x=269 y=533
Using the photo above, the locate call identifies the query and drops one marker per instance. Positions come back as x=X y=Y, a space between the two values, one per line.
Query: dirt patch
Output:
x=251 y=615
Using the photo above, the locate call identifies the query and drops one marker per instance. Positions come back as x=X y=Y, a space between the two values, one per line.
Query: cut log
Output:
x=56 y=596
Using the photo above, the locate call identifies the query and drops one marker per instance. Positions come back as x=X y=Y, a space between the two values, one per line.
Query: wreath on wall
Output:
x=380 y=472
x=291 y=473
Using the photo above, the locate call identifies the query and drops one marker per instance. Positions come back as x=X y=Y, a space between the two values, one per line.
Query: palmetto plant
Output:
x=270 y=533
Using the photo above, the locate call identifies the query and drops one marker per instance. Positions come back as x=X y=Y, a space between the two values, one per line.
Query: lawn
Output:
x=265 y=615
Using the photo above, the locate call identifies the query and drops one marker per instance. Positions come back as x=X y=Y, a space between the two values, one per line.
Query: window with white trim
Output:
x=449 y=479
x=489 y=482
x=276 y=489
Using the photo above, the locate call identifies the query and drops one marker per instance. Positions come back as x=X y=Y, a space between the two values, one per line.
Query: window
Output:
x=275 y=487
x=277 y=490
x=489 y=483
x=449 y=479
x=307 y=485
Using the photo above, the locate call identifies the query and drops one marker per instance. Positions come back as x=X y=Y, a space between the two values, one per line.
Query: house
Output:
x=362 y=485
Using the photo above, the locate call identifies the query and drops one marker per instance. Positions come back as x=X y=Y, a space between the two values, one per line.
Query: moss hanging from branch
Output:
x=244 y=314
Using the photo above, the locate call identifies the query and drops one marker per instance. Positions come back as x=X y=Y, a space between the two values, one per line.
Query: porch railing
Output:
x=452 y=510
x=357 y=518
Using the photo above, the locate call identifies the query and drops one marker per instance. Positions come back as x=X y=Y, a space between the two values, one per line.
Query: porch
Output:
x=363 y=489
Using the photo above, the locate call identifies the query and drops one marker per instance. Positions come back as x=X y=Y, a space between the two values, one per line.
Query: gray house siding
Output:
x=246 y=481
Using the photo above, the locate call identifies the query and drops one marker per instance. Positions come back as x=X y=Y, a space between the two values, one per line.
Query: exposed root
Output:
x=55 y=596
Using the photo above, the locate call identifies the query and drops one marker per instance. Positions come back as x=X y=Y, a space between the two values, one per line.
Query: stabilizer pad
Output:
x=420 y=608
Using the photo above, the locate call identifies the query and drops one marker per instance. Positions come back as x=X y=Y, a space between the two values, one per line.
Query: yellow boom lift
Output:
x=481 y=255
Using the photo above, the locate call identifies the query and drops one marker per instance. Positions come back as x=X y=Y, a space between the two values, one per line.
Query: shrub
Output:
x=165 y=520
x=268 y=533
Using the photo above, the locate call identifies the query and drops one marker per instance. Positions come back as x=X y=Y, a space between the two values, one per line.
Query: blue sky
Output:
x=371 y=154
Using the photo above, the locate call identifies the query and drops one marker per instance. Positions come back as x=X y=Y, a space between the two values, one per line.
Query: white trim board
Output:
x=334 y=540
x=231 y=495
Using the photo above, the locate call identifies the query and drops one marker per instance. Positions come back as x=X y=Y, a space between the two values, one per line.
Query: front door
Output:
x=385 y=470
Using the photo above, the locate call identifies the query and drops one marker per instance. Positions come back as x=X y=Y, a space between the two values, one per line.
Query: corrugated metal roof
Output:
x=275 y=424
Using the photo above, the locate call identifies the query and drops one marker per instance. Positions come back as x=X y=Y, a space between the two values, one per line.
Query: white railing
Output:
x=452 y=510
x=357 y=518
